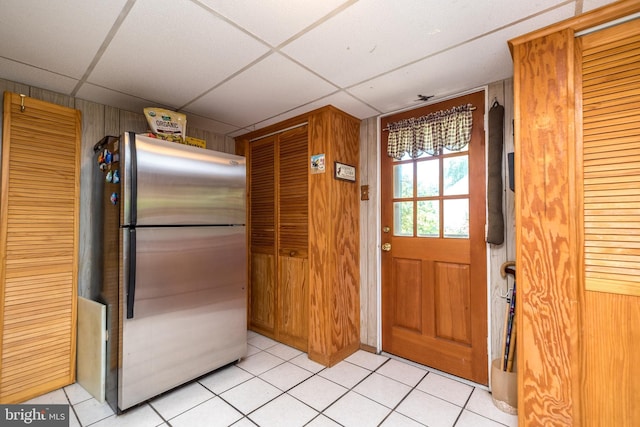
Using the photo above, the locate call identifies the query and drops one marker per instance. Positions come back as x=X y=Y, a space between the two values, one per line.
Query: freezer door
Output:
x=168 y=183
x=189 y=313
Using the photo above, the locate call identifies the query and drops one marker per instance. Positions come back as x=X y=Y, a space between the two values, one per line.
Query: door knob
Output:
x=386 y=247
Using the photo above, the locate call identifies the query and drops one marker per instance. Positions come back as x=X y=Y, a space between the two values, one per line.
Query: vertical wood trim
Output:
x=320 y=240
x=546 y=244
x=89 y=282
x=498 y=254
x=368 y=234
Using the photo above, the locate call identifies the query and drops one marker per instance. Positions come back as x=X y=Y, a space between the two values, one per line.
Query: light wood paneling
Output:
x=546 y=255
x=293 y=296
x=610 y=345
x=577 y=349
x=292 y=315
x=369 y=228
x=39 y=247
x=262 y=298
x=330 y=251
x=610 y=163
x=334 y=240
x=502 y=91
x=90 y=274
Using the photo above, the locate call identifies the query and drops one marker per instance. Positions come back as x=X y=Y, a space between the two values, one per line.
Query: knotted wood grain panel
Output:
x=39 y=247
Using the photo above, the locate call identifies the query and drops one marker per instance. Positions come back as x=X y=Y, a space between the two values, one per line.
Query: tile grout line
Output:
x=394 y=409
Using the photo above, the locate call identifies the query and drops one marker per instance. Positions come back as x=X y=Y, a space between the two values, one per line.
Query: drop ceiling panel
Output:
x=171 y=51
x=341 y=100
x=199 y=122
x=375 y=36
x=588 y=5
x=273 y=21
x=58 y=36
x=478 y=63
x=17 y=72
x=265 y=90
x=110 y=97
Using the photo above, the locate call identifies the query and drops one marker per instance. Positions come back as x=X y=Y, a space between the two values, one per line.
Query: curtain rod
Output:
x=471 y=108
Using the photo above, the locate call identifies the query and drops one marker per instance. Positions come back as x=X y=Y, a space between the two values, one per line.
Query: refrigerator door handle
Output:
x=131 y=283
x=134 y=180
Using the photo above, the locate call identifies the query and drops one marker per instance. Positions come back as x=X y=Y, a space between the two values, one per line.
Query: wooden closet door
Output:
x=262 y=245
x=293 y=239
x=38 y=247
x=610 y=346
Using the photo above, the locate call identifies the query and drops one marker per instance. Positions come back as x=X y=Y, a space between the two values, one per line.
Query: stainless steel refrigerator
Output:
x=174 y=264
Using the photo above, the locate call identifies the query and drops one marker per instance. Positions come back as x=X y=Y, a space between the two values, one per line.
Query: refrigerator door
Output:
x=168 y=183
x=189 y=313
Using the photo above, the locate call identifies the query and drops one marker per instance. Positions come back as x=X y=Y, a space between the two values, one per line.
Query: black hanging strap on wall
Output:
x=495 y=229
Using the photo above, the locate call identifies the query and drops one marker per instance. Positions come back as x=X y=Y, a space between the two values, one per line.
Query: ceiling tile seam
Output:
x=462 y=43
x=105 y=44
x=272 y=49
x=253 y=125
x=229 y=77
x=26 y=64
x=231 y=22
x=344 y=6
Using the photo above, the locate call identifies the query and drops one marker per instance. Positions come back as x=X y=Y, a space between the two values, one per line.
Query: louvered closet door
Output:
x=293 y=232
x=610 y=324
x=39 y=247
x=262 y=205
x=611 y=112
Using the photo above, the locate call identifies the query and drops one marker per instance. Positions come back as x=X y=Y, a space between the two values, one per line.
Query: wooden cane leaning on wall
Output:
x=509 y=330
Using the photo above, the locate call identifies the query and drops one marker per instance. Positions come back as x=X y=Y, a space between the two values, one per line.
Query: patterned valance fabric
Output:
x=450 y=129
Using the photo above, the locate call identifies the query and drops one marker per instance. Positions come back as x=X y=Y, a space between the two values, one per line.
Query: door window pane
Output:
x=403 y=218
x=456 y=218
x=429 y=218
x=455 y=175
x=428 y=178
x=403 y=180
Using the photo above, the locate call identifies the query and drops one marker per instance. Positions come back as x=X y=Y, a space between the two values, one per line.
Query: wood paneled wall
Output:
x=369 y=232
x=578 y=350
x=97 y=121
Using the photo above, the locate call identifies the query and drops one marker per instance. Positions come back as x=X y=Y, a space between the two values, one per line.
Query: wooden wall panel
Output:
x=502 y=91
x=345 y=226
x=611 y=367
x=293 y=293
x=334 y=242
x=369 y=252
x=545 y=213
x=320 y=244
x=263 y=293
x=90 y=274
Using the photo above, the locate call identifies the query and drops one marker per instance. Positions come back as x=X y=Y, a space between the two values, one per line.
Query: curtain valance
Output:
x=450 y=129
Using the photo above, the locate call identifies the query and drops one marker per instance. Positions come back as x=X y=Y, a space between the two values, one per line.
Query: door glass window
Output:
x=431 y=196
x=403 y=180
x=403 y=218
x=455 y=175
x=428 y=178
x=456 y=218
x=428 y=218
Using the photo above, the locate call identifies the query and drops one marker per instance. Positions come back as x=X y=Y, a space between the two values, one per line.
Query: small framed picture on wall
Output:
x=345 y=172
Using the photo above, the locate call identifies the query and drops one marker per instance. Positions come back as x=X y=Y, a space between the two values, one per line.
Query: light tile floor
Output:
x=276 y=385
